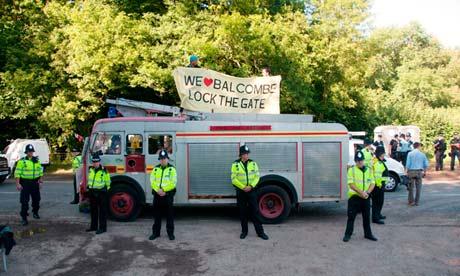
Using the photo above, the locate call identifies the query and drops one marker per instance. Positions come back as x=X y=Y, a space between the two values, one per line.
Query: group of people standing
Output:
x=366 y=180
x=440 y=148
x=244 y=176
x=400 y=146
x=365 y=183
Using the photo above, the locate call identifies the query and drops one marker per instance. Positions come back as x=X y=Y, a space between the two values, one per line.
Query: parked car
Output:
x=395 y=168
x=15 y=151
x=4 y=169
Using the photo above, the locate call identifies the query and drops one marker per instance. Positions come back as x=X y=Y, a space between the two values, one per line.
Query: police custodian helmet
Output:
x=359 y=156
x=244 y=149
x=163 y=155
x=29 y=148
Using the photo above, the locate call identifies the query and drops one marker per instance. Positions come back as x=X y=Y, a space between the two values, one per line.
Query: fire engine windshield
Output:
x=159 y=142
x=107 y=143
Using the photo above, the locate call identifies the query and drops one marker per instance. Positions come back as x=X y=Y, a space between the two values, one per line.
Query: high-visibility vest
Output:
x=243 y=176
x=164 y=178
x=98 y=179
x=362 y=179
x=76 y=162
x=28 y=168
x=379 y=169
x=368 y=158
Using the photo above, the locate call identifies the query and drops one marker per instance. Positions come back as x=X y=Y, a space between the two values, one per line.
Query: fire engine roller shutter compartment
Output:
x=278 y=160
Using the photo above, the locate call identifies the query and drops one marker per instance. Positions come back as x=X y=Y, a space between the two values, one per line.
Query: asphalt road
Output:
x=423 y=240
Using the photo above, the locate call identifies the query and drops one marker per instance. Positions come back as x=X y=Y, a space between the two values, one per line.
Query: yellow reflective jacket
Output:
x=99 y=178
x=164 y=178
x=368 y=158
x=28 y=168
x=380 y=172
x=76 y=162
x=362 y=179
x=243 y=176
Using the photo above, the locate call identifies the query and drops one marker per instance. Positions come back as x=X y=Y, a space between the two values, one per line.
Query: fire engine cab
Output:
x=299 y=161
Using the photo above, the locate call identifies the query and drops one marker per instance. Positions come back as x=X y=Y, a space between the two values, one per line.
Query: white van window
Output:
x=107 y=143
x=159 y=142
x=134 y=144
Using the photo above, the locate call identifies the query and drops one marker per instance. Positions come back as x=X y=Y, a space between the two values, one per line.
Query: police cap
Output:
x=379 y=151
x=95 y=158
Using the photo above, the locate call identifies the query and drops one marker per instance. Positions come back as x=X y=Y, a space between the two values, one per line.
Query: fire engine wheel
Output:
x=124 y=203
x=2 y=179
x=274 y=204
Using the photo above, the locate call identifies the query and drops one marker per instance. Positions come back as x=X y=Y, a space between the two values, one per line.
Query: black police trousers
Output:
x=357 y=205
x=453 y=155
x=378 y=197
x=248 y=208
x=76 y=198
x=30 y=189
x=98 y=202
x=439 y=155
x=163 y=205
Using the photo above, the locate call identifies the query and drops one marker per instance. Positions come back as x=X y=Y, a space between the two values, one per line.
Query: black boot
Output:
x=153 y=236
x=263 y=236
x=371 y=237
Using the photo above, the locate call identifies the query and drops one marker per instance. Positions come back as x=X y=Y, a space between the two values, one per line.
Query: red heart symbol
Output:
x=207 y=81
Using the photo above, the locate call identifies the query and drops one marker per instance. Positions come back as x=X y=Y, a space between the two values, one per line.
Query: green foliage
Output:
x=60 y=60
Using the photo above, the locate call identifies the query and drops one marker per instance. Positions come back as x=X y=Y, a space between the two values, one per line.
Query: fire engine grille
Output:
x=274 y=156
x=210 y=168
x=321 y=176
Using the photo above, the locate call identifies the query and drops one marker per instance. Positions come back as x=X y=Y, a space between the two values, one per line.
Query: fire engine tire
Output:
x=124 y=203
x=2 y=178
x=274 y=204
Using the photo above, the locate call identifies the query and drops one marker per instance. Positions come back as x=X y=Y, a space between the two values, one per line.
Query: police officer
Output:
x=454 y=150
x=367 y=153
x=378 y=193
x=394 y=144
x=163 y=180
x=379 y=142
x=360 y=186
x=439 y=152
x=28 y=176
x=245 y=177
x=76 y=163
x=98 y=187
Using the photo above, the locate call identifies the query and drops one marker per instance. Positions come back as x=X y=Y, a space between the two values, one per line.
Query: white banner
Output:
x=210 y=91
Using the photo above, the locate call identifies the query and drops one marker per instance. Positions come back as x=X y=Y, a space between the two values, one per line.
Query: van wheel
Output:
x=124 y=203
x=274 y=204
x=392 y=184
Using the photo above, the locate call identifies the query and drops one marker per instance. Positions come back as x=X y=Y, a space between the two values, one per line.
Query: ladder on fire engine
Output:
x=130 y=108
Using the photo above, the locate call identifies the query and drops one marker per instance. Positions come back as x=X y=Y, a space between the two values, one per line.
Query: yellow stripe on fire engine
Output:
x=148 y=168
x=120 y=169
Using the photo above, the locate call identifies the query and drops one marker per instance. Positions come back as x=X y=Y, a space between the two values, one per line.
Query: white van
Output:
x=15 y=151
x=395 y=168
